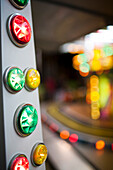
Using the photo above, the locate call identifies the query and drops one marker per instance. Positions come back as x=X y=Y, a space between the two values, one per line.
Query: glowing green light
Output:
x=108 y=51
x=27 y=119
x=82 y=58
x=15 y=79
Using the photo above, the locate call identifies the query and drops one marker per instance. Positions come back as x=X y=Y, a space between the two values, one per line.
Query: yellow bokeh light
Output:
x=96 y=65
x=97 y=54
x=95 y=105
x=107 y=62
x=94 y=80
x=94 y=96
x=95 y=114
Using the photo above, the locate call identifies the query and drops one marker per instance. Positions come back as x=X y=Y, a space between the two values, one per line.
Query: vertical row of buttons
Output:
x=26 y=116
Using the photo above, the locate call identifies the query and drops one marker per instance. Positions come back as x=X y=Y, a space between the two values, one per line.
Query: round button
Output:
x=39 y=154
x=19 y=3
x=26 y=119
x=14 y=79
x=19 y=30
x=32 y=79
x=19 y=162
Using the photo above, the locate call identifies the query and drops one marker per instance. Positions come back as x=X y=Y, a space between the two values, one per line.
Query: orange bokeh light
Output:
x=83 y=74
x=76 y=62
x=64 y=134
x=94 y=80
x=100 y=145
x=88 y=98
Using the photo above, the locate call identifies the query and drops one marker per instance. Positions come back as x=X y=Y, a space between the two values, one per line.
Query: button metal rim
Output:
x=25 y=73
x=5 y=80
x=16 y=118
x=10 y=33
x=32 y=152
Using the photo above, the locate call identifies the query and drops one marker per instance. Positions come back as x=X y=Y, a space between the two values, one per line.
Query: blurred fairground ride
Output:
x=94 y=61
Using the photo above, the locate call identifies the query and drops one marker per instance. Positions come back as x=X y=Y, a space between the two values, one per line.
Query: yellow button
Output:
x=39 y=154
x=32 y=79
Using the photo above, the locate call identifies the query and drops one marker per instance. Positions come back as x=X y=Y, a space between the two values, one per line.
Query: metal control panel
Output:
x=19 y=57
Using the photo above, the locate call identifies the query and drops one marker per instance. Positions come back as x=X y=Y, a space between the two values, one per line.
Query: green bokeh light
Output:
x=108 y=51
x=84 y=67
x=82 y=58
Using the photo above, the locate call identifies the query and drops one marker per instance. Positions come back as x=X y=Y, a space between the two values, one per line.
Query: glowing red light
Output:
x=20 y=29
x=73 y=138
x=20 y=163
x=112 y=146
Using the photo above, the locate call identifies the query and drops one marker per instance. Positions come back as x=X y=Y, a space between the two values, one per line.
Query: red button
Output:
x=19 y=162
x=19 y=29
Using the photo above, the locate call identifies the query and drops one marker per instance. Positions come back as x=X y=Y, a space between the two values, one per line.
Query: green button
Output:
x=20 y=3
x=27 y=119
x=15 y=79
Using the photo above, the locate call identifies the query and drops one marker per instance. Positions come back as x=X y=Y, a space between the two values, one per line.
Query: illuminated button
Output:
x=39 y=154
x=19 y=162
x=19 y=30
x=26 y=119
x=32 y=79
x=19 y=3
x=14 y=79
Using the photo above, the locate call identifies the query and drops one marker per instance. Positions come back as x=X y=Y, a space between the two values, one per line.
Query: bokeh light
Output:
x=53 y=127
x=84 y=67
x=112 y=146
x=76 y=63
x=73 y=138
x=43 y=117
x=83 y=74
x=95 y=114
x=95 y=96
x=64 y=134
x=100 y=145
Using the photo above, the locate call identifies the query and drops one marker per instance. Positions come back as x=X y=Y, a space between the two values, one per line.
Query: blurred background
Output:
x=74 y=51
